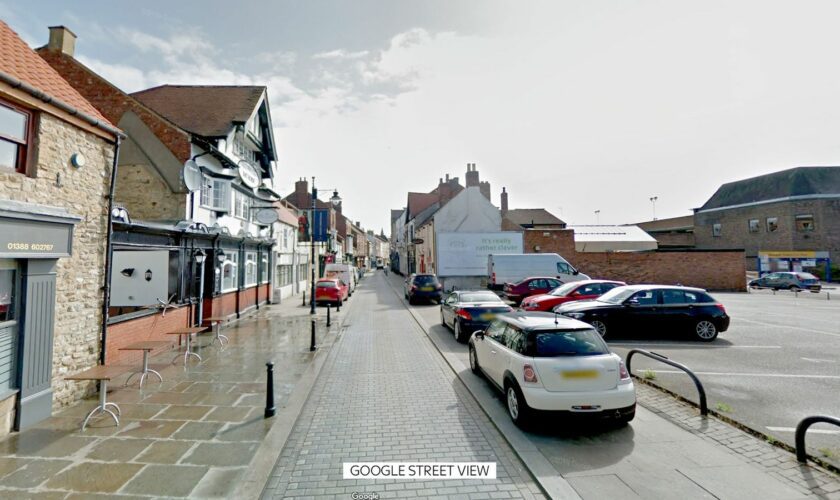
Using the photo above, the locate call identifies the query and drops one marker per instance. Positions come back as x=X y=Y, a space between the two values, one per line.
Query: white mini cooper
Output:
x=542 y=361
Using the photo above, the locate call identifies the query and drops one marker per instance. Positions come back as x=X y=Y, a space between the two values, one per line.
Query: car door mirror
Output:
x=632 y=302
x=479 y=334
x=575 y=272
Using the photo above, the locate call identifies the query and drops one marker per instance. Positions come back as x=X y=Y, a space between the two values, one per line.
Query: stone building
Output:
x=794 y=212
x=56 y=163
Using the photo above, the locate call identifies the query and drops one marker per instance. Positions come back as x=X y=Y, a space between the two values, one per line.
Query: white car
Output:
x=545 y=362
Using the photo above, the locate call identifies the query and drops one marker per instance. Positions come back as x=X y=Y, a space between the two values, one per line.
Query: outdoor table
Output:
x=145 y=346
x=187 y=332
x=103 y=374
x=216 y=323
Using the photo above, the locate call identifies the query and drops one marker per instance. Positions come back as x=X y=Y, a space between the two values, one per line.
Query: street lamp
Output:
x=653 y=201
x=200 y=257
x=335 y=200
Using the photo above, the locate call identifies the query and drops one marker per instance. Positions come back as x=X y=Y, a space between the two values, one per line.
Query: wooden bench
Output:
x=103 y=374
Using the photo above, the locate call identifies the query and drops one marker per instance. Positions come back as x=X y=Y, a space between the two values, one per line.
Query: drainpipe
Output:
x=106 y=295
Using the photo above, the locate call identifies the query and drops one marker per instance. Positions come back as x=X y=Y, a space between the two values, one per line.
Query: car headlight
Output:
x=574 y=315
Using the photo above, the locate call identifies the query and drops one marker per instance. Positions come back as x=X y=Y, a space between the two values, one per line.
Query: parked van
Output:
x=346 y=272
x=513 y=268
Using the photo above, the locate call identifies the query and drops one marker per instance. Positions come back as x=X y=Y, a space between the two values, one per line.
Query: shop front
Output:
x=796 y=261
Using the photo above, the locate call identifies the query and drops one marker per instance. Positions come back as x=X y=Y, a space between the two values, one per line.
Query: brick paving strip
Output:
x=200 y=433
x=385 y=395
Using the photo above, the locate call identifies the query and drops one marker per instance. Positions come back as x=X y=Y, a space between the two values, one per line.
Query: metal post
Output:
x=312 y=245
x=269 y=390
x=304 y=297
x=201 y=293
x=328 y=316
x=312 y=345
x=338 y=306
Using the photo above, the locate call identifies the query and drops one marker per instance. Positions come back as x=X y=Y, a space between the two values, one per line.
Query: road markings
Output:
x=704 y=346
x=810 y=431
x=815 y=360
x=771 y=375
x=789 y=327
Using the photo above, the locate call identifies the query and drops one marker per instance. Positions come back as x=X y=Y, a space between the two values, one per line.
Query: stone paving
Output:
x=194 y=434
x=385 y=394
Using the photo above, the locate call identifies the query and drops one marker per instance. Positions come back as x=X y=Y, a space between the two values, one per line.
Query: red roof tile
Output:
x=19 y=61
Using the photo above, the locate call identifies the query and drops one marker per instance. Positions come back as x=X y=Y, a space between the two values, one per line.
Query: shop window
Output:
x=7 y=290
x=754 y=225
x=215 y=194
x=250 y=268
x=772 y=224
x=230 y=272
x=716 y=228
x=264 y=261
x=15 y=137
x=805 y=223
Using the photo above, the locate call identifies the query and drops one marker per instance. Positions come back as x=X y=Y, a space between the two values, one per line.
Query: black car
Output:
x=638 y=308
x=467 y=311
x=423 y=287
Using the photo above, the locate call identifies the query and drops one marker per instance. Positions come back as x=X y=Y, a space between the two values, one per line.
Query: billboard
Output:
x=465 y=254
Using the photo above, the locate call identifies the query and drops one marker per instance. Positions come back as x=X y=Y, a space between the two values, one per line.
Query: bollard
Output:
x=304 y=298
x=827 y=295
x=269 y=390
x=338 y=306
x=312 y=339
x=328 y=315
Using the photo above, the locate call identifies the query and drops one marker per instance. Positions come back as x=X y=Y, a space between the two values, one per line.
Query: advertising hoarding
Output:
x=465 y=254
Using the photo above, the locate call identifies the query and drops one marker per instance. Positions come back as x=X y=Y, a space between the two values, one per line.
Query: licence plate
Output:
x=581 y=374
x=428 y=289
x=487 y=317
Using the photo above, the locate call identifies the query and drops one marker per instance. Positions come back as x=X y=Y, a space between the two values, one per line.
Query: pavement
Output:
x=387 y=383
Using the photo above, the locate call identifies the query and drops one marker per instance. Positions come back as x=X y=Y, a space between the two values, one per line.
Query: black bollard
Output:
x=328 y=315
x=312 y=339
x=269 y=390
x=338 y=306
x=304 y=298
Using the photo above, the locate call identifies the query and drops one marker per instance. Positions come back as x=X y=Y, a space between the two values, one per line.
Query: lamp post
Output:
x=200 y=257
x=653 y=202
x=335 y=200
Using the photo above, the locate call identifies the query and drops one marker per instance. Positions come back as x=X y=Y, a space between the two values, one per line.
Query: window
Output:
x=241 y=205
x=753 y=224
x=250 y=268
x=805 y=223
x=569 y=343
x=644 y=298
x=772 y=224
x=716 y=230
x=284 y=275
x=7 y=290
x=14 y=137
x=673 y=297
x=230 y=272
x=515 y=340
x=254 y=127
x=215 y=194
x=496 y=330
x=264 y=261
x=564 y=268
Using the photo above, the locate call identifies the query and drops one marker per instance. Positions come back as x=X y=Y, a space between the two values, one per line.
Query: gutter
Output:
x=29 y=89
x=109 y=249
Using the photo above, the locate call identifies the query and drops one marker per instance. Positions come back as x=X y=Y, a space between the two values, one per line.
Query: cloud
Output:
x=340 y=54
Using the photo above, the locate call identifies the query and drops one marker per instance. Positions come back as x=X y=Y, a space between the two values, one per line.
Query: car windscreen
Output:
x=806 y=276
x=425 y=280
x=563 y=290
x=326 y=284
x=549 y=344
x=480 y=297
x=617 y=295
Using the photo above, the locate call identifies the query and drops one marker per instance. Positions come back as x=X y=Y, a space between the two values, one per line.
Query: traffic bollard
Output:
x=312 y=339
x=304 y=298
x=328 y=315
x=338 y=306
x=269 y=390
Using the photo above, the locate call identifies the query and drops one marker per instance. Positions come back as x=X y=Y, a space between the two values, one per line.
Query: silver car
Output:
x=788 y=281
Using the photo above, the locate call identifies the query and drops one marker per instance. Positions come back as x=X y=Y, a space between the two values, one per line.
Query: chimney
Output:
x=62 y=40
x=472 y=175
x=302 y=187
x=447 y=177
x=504 y=201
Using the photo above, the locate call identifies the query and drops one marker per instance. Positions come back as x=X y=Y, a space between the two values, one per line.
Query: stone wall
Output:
x=82 y=192
x=134 y=185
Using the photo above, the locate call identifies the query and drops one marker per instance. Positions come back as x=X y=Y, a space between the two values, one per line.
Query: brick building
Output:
x=56 y=162
x=795 y=211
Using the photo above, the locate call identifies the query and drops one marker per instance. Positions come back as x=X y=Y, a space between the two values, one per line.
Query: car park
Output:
x=788 y=281
x=542 y=362
x=569 y=292
x=512 y=268
x=516 y=292
x=331 y=290
x=466 y=311
x=423 y=287
x=652 y=308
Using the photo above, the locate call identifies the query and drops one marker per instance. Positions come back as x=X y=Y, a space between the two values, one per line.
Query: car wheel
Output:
x=517 y=407
x=794 y=288
x=411 y=300
x=600 y=327
x=705 y=330
x=459 y=334
x=474 y=361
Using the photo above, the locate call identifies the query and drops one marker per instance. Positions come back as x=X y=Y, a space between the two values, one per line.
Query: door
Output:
x=446 y=309
x=642 y=312
x=676 y=311
x=490 y=349
x=9 y=291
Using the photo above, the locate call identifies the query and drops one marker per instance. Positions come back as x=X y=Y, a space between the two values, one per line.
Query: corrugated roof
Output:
x=21 y=62
x=612 y=238
x=799 y=181
x=533 y=216
x=205 y=110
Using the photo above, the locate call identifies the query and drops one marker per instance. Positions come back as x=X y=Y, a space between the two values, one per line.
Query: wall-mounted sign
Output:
x=30 y=239
x=249 y=175
x=267 y=216
x=140 y=278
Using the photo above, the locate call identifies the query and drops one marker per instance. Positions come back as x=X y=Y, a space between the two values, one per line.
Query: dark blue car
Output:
x=467 y=311
x=424 y=287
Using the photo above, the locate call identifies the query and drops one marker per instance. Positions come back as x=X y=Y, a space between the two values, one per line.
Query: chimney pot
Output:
x=62 y=40
x=447 y=177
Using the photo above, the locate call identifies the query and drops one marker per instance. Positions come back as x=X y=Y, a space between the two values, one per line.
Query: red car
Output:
x=530 y=286
x=576 y=290
x=331 y=290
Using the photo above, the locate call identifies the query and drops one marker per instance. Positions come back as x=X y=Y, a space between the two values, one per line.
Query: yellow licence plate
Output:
x=487 y=317
x=581 y=374
x=428 y=289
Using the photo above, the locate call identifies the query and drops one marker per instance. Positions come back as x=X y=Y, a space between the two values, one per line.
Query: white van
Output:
x=513 y=268
x=345 y=272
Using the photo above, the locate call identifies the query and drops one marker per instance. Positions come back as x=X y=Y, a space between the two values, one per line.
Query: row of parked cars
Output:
x=337 y=285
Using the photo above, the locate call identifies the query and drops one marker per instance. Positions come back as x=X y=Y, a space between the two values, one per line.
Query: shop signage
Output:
x=249 y=175
x=805 y=254
x=32 y=239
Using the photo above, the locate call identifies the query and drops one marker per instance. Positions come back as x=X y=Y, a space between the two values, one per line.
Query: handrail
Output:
x=802 y=427
x=704 y=410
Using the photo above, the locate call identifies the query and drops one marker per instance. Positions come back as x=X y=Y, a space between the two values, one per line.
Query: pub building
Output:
x=56 y=162
x=194 y=216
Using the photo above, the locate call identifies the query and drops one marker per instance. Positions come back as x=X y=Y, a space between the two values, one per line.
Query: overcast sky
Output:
x=573 y=106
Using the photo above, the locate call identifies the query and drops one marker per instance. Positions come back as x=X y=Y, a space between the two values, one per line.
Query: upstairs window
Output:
x=716 y=228
x=241 y=205
x=15 y=137
x=215 y=194
x=754 y=225
x=805 y=223
x=772 y=224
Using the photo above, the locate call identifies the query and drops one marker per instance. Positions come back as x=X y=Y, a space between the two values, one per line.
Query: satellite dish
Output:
x=192 y=175
x=267 y=216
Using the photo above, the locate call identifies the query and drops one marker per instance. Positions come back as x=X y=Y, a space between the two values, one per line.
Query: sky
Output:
x=585 y=108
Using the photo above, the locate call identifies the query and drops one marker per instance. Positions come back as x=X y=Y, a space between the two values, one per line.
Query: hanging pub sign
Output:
x=249 y=175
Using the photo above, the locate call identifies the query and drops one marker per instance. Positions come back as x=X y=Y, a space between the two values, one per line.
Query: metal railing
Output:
x=704 y=410
x=802 y=427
